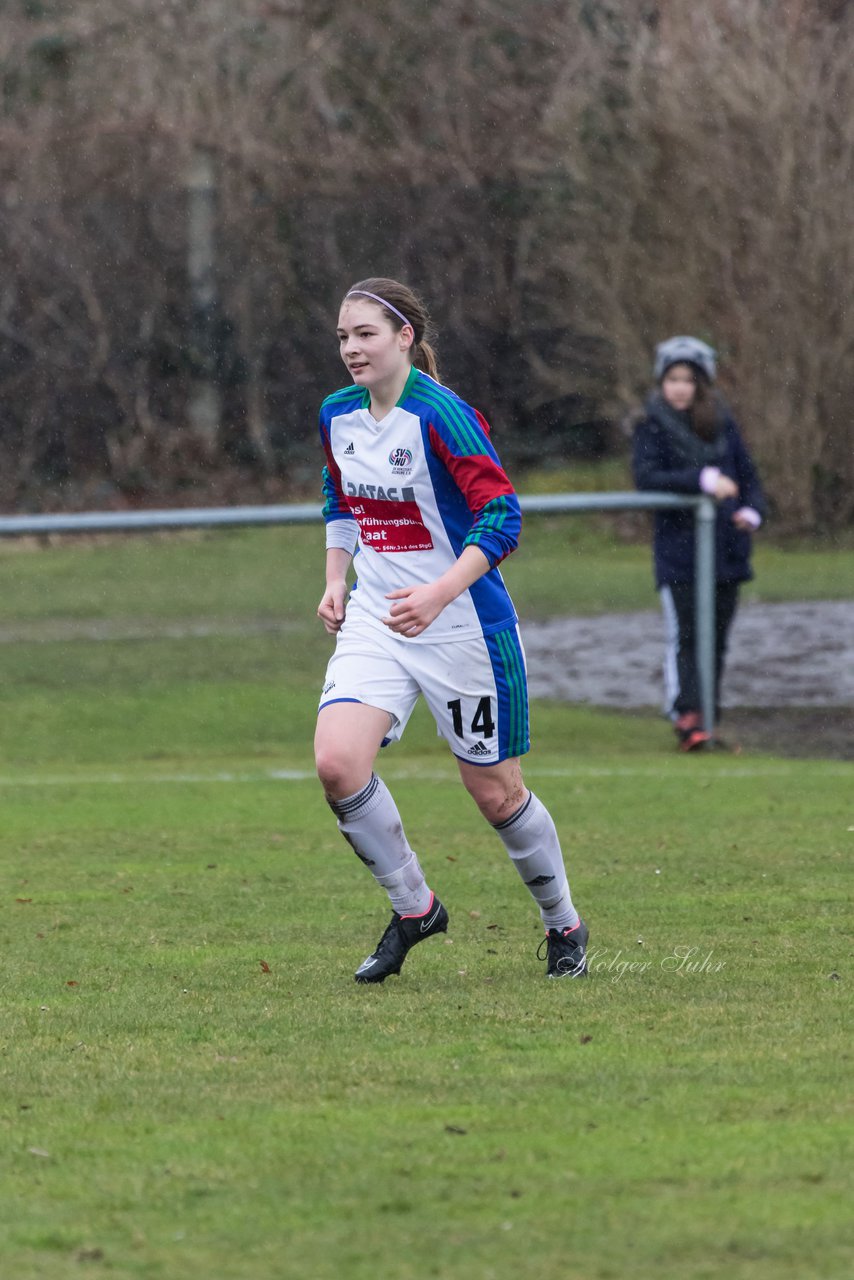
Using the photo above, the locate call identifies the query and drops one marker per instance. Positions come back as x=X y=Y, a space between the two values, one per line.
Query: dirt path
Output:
x=789 y=684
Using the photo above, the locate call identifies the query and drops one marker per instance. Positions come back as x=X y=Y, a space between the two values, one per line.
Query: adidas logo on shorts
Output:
x=350 y=449
x=478 y=750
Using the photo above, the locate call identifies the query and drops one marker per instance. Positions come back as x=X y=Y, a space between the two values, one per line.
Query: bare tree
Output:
x=567 y=180
x=713 y=183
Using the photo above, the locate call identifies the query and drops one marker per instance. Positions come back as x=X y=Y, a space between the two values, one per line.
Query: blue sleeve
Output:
x=746 y=476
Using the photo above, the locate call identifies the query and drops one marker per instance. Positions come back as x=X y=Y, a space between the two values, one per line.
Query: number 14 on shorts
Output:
x=482 y=721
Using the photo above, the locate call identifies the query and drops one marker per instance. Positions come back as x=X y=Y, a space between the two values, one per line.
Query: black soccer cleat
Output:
x=566 y=952
x=398 y=940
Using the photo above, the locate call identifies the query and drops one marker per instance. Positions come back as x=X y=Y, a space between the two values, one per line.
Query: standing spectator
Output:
x=688 y=442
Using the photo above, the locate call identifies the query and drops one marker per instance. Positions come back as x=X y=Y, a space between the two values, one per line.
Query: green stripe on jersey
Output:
x=514 y=674
x=498 y=511
x=491 y=518
x=329 y=493
x=407 y=386
x=435 y=397
x=347 y=393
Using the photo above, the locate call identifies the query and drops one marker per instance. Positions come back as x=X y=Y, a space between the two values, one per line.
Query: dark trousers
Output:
x=681 y=678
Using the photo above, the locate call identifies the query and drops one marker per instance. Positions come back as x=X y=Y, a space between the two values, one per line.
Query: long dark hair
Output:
x=409 y=304
x=706 y=409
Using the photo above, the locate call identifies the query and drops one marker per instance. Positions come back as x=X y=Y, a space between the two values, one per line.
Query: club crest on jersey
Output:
x=400 y=461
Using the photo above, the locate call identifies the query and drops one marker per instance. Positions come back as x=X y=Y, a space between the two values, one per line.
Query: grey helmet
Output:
x=685 y=350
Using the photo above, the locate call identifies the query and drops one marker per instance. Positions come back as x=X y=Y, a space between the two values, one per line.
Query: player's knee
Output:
x=341 y=770
x=504 y=806
x=334 y=767
x=496 y=801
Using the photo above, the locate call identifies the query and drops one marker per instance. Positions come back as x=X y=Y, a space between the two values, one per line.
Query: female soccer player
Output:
x=415 y=492
x=688 y=442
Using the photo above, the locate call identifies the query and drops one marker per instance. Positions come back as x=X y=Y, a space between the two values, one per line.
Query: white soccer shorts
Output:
x=476 y=689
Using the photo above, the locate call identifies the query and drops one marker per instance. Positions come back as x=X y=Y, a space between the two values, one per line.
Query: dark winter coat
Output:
x=668 y=455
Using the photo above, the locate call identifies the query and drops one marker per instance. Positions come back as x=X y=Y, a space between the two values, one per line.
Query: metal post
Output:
x=704 y=586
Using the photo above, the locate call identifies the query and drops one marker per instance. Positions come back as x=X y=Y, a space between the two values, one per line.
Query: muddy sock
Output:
x=370 y=823
x=531 y=840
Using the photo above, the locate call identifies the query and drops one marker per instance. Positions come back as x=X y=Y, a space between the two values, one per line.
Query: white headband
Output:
x=376 y=297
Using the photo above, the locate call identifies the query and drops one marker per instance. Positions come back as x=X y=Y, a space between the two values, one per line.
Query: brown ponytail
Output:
x=410 y=305
x=706 y=415
x=424 y=358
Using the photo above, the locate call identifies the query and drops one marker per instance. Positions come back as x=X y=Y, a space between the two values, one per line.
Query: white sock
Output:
x=370 y=822
x=531 y=839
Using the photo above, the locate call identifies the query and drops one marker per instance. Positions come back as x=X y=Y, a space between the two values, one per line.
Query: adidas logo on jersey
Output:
x=349 y=451
x=478 y=750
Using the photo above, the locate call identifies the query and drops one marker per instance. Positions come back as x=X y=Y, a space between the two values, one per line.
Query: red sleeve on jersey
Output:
x=334 y=469
x=335 y=505
x=484 y=425
x=478 y=478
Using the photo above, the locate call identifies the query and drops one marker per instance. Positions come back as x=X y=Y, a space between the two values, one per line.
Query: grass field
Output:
x=192 y=1084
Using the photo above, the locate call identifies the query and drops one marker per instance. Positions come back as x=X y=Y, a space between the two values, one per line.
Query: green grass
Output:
x=172 y=1107
x=565 y=564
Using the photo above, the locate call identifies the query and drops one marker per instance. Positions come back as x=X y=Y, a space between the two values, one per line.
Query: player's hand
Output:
x=330 y=611
x=414 y=608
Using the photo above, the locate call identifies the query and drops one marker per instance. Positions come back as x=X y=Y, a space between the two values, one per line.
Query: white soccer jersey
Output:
x=409 y=493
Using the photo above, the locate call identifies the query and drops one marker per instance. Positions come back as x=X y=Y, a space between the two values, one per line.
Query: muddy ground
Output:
x=788 y=686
